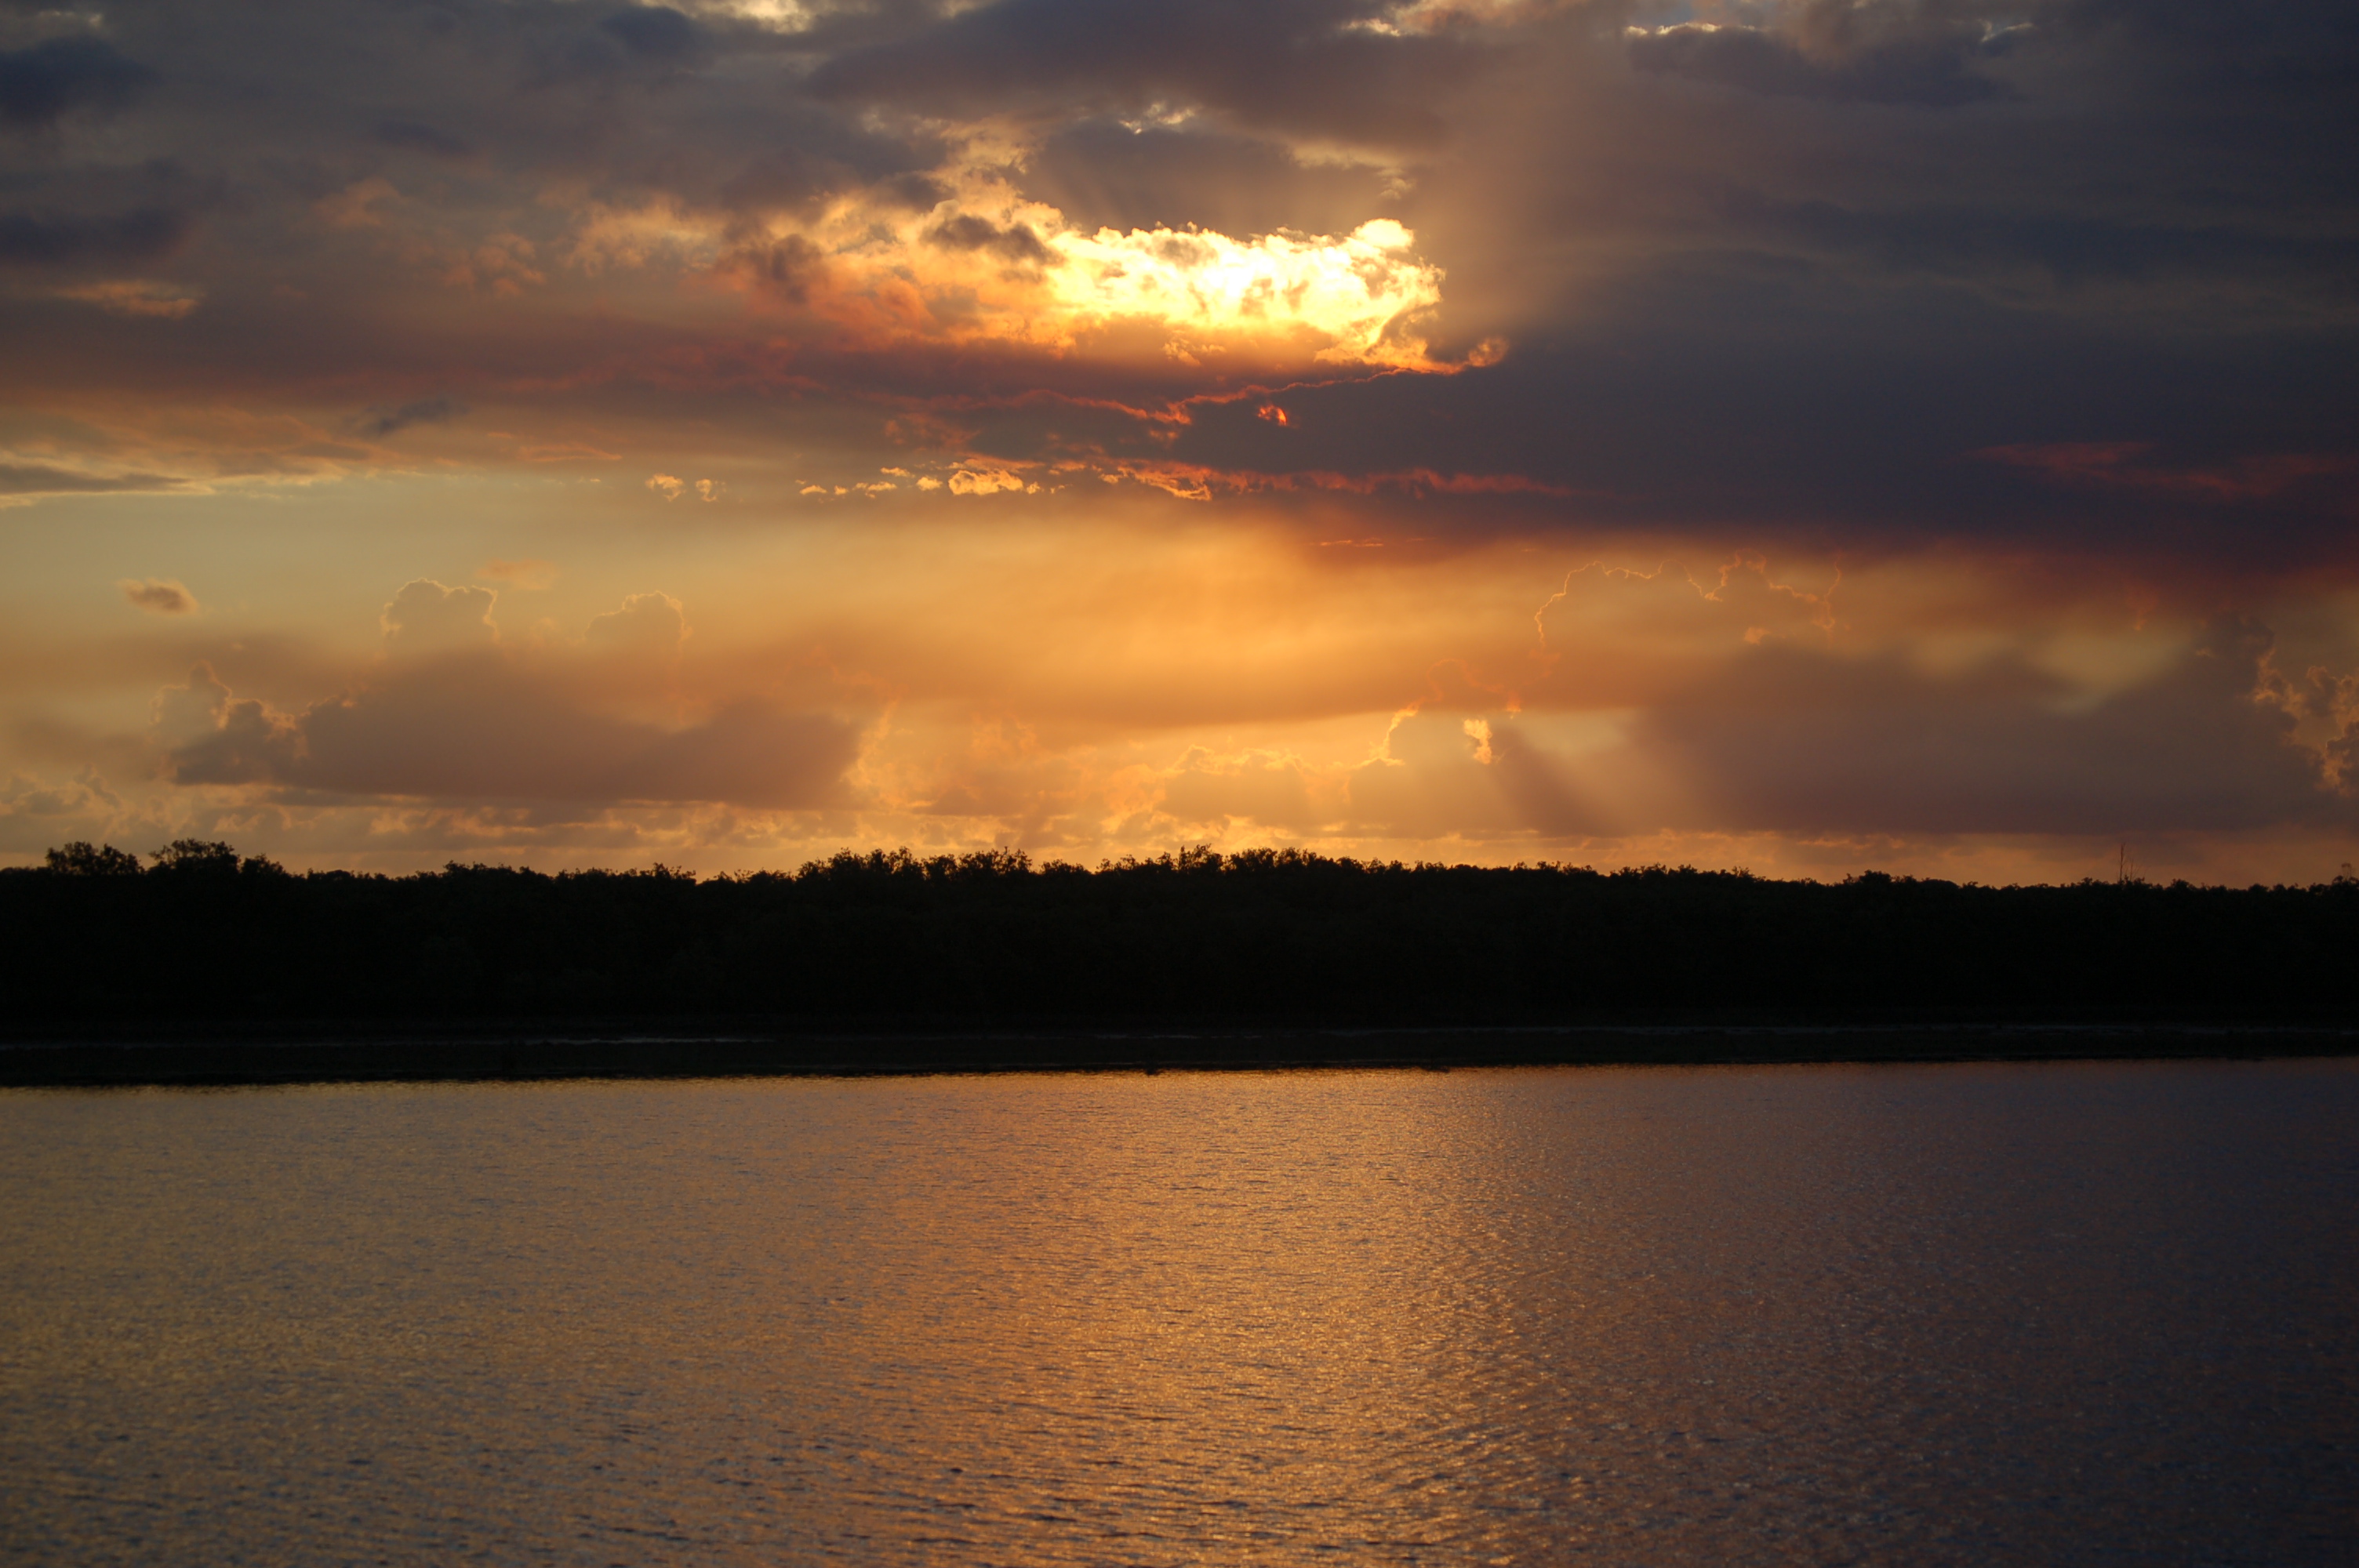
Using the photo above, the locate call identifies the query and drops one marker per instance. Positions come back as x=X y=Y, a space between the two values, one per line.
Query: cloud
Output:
x=1295 y=69
x=214 y=738
x=1105 y=174
x=428 y=617
x=53 y=238
x=653 y=32
x=136 y=298
x=40 y=84
x=1017 y=243
x=42 y=479
x=1270 y=793
x=985 y=481
x=529 y=574
x=1007 y=274
x=2069 y=251
x=410 y=135
x=382 y=421
x=1930 y=72
x=459 y=718
x=784 y=268
x=648 y=625
x=1042 y=681
x=477 y=726
x=1714 y=322
x=479 y=730
x=2127 y=465
x=1447 y=772
x=1787 y=738
x=160 y=595
x=2045 y=310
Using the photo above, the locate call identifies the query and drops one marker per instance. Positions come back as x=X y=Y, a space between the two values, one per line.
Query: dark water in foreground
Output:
x=1935 y=1314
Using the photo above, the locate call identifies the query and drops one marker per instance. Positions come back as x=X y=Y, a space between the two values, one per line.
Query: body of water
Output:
x=1969 y=1314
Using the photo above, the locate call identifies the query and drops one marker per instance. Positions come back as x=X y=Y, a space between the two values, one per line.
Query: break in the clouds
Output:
x=1793 y=430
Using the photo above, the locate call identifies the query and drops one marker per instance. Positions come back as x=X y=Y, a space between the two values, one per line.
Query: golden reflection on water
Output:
x=1951 y=1314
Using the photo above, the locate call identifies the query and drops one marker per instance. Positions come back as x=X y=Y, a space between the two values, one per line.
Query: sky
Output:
x=1809 y=436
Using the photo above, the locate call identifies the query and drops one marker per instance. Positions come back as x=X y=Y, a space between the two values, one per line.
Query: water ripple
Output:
x=1942 y=1314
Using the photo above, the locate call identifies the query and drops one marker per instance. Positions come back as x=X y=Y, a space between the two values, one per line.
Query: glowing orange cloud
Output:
x=989 y=267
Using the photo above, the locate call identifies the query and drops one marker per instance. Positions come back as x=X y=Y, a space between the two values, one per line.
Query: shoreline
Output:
x=544 y=1053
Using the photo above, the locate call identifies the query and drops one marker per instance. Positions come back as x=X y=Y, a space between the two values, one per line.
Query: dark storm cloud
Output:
x=647 y=45
x=1300 y=69
x=41 y=83
x=410 y=135
x=634 y=101
x=1103 y=173
x=54 y=239
x=540 y=87
x=2066 y=249
x=1935 y=72
x=1864 y=427
x=1790 y=275
x=2297 y=47
x=1885 y=234
x=653 y=32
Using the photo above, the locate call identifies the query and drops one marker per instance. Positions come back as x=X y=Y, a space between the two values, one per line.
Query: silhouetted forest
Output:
x=993 y=940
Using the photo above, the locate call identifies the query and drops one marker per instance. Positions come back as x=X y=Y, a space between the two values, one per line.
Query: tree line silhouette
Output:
x=994 y=940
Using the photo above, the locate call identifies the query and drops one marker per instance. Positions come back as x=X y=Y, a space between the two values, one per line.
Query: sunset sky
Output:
x=1803 y=435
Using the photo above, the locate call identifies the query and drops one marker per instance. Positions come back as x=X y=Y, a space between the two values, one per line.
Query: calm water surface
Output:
x=1942 y=1314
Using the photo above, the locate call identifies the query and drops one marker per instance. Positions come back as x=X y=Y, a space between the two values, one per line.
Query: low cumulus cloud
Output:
x=1786 y=738
x=1792 y=739
x=429 y=617
x=1779 y=703
x=648 y=625
x=460 y=717
x=477 y=728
